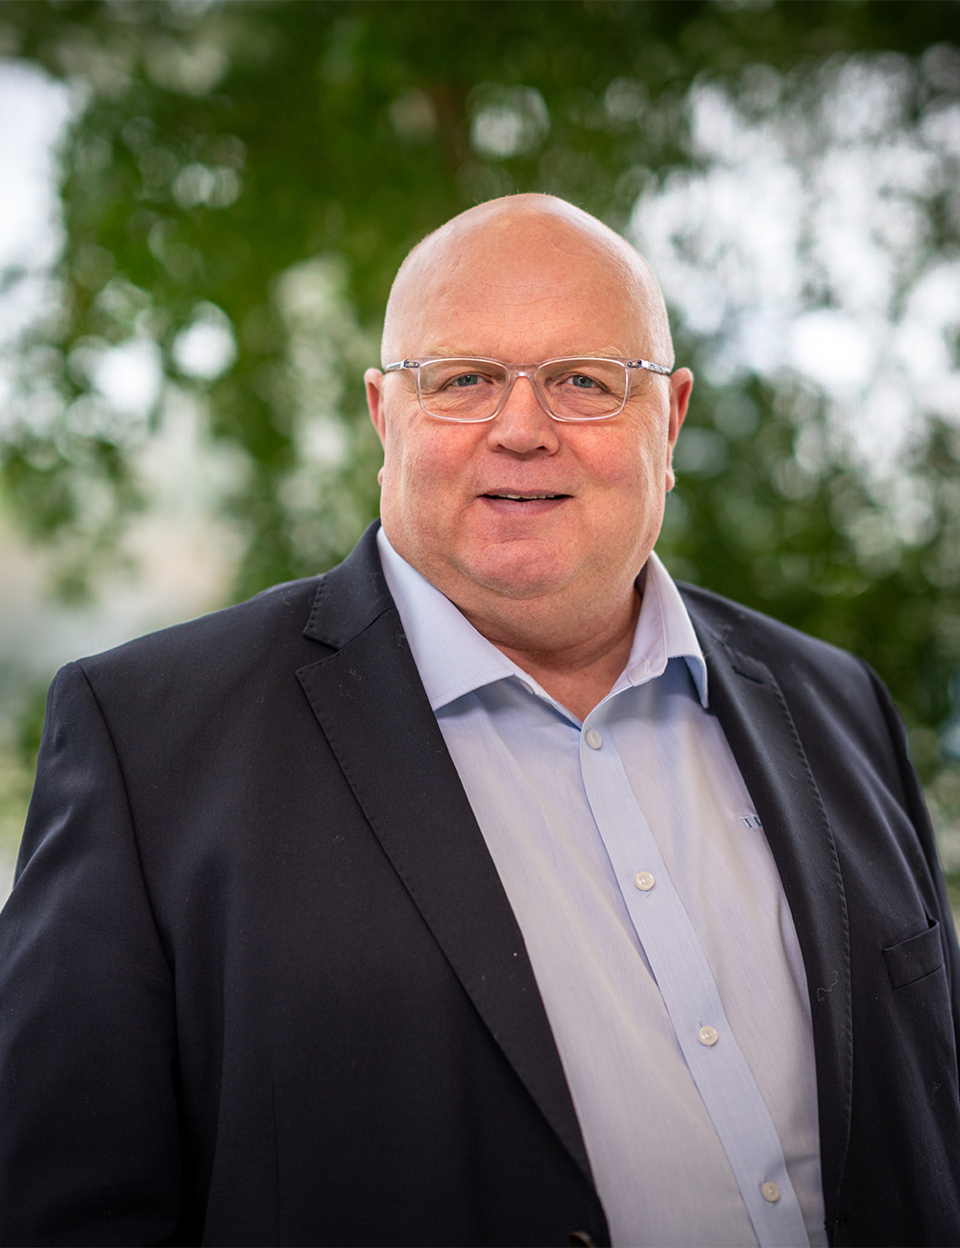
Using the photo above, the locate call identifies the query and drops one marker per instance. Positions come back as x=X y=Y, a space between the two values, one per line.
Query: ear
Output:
x=681 y=387
x=373 y=380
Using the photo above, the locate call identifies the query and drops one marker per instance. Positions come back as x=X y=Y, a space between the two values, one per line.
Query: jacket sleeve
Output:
x=90 y=1139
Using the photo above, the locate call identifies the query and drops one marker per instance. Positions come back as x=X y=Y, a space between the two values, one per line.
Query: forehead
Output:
x=519 y=294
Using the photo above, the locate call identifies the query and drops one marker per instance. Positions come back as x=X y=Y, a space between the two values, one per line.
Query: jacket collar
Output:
x=350 y=596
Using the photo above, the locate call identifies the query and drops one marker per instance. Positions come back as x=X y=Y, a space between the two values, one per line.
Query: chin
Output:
x=516 y=576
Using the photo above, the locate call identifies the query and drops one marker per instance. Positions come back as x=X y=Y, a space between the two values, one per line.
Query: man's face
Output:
x=524 y=507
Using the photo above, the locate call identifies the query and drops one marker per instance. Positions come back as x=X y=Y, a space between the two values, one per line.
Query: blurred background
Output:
x=203 y=205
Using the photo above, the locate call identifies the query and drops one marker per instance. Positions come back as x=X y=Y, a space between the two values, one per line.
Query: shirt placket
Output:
x=686 y=983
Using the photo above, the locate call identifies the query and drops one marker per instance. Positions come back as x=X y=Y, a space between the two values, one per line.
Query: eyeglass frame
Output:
x=529 y=371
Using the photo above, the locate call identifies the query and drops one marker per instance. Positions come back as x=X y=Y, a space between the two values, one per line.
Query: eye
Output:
x=456 y=379
x=588 y=383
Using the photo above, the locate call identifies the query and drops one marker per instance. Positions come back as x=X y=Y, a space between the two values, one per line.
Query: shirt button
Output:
x=594 y=740
x=644 y=881
x=770 y=1192
x=708 y=1036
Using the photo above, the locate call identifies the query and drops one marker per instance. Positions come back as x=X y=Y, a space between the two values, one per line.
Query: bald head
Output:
x=510 y=250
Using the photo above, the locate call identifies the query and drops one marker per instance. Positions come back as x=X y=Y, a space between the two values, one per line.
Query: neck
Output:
x=581 y=671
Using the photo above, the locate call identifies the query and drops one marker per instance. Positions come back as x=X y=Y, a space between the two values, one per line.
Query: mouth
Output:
x=523 y=498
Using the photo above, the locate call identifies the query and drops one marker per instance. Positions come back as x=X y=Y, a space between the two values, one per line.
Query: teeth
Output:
x=525 y=498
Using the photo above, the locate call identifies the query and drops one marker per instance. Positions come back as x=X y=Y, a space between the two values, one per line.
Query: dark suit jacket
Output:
x=260 y=983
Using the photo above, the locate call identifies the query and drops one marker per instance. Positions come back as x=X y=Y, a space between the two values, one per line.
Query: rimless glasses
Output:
x=468 y=390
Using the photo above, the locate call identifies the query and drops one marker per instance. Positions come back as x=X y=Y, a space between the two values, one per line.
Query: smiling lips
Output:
x=523 y=498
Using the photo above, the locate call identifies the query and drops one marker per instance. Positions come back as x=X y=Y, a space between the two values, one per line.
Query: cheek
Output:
x=423 y=465
x=632 y=468
x=650 y=461
x=632 y=482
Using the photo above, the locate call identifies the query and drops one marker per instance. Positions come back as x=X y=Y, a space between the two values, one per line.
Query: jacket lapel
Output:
x=370 y=703
x=753 y=713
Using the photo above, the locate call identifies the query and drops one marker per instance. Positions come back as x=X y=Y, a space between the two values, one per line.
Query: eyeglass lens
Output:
x=464 y=389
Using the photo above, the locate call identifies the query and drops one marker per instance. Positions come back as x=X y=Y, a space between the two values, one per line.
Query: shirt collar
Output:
x=663 y=632
x=454 y=659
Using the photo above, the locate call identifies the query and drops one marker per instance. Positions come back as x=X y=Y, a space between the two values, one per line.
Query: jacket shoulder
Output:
x=772 y=642
x=235 y=638
x=285 y=623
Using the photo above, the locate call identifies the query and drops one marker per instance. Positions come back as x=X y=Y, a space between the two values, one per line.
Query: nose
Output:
x=522 y=427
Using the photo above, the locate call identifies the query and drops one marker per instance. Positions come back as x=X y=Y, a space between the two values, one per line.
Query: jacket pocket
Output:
x=915 y=957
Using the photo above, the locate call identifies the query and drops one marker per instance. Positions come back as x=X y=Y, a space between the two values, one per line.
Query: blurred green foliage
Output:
x=271 y=163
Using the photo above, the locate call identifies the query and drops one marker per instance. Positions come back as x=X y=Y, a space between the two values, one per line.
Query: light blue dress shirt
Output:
x=655 y=922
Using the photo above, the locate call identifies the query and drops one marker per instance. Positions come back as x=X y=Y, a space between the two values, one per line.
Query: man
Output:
x=485 y=890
